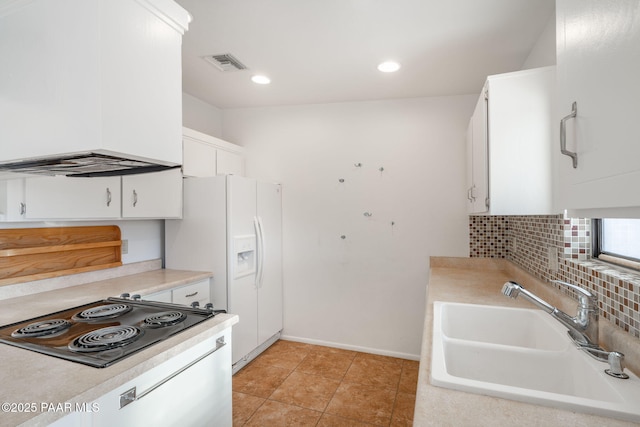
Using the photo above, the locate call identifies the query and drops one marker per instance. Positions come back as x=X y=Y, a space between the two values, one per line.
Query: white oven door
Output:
x=191 y=389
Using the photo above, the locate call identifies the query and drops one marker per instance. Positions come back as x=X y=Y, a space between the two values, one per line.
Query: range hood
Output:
x=90 y=87
x=87 y=164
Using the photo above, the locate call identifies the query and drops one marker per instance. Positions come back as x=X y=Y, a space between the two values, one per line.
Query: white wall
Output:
x=366 y=291
x=201 y=116
x=543 y=52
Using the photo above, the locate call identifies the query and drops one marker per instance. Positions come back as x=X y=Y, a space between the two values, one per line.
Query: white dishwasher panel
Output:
x=198 y=396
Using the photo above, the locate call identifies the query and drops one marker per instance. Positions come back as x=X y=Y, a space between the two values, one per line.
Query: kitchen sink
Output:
x=524 y=355
x=501 y=325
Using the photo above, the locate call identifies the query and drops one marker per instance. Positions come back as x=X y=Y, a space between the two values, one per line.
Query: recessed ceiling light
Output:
x=389 y=67
x=260 y=79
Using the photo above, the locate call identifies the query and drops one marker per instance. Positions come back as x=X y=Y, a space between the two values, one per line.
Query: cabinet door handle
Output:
x=191 y=295
x=135 y=198
x=23 y=208
x=563 y=135
x=108 y=197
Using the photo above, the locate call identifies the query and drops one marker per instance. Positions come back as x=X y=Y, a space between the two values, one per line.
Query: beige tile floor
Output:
x=295 y=384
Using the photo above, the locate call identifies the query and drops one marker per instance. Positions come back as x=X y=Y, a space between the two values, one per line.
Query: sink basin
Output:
x=524 y=355
x=502 y=325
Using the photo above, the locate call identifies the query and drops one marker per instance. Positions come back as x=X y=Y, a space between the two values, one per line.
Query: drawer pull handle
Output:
x=191 y=295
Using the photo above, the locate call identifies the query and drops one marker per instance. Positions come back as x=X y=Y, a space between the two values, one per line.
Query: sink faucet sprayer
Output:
x=583 y=328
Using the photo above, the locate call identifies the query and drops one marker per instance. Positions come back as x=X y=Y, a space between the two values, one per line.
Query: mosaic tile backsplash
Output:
x=552 y=247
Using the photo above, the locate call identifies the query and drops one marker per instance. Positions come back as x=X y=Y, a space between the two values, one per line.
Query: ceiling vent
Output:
x=225 y=62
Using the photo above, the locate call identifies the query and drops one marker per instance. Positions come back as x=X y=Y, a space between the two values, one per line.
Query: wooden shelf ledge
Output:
x=28 y=254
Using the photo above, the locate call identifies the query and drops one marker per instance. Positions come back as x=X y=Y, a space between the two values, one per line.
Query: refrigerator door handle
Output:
x=258 y=228
x=261 y=254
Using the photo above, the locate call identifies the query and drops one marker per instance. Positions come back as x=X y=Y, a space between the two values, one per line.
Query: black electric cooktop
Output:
x=103 y=332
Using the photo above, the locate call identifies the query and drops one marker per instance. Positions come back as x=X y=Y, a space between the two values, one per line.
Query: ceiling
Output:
x=323 y=51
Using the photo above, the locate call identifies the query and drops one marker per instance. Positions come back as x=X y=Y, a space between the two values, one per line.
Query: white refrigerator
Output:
x=232 y=226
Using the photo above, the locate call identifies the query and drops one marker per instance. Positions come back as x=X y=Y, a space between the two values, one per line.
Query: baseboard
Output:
x=352 y=347
x=254 y=353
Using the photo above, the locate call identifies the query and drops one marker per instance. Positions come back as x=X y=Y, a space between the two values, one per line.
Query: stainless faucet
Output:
x=583 y=328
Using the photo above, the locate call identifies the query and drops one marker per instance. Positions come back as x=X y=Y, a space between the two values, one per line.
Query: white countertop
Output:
x=30 y=377
x=479 y=281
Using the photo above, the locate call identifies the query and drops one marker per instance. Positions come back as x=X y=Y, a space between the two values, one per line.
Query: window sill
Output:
x=605 y=268
x=621 y=262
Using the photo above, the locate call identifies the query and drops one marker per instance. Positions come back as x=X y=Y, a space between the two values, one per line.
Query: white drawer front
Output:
x=199 y=291
x=162 y=296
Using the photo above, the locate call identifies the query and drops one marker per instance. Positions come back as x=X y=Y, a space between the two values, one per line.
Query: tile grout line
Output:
x=336 y=390
x=253 y=413
x=395 y=396
x=274 y=390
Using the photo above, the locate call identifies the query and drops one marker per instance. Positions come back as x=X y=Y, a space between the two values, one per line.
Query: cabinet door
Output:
x=519 y=129
x=199 y=158
x=598 y=63
x=72 y=198
x=229 y=163
x=479 y=190
x=12 y=203
x=152 y=195
x=469 y=163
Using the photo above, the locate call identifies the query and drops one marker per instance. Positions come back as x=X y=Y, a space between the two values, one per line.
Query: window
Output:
x=617 y=240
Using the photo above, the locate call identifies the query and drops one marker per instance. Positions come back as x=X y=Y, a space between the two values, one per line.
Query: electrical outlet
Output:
x=125 y=247
x=552 y=252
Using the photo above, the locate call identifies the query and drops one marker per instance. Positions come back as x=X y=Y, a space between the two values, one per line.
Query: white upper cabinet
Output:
x=144 y=196
x=509 y=138
x=91 y=75
x=205 y=155
x=12 y=200
x=152 y=195
x=76 y=198
x=598 y=66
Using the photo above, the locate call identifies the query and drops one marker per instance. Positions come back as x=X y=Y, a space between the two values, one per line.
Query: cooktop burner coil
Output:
x=106 y=339
x=102 y=312
x=45 y=328
x=161 y=320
